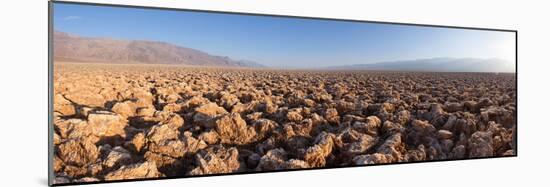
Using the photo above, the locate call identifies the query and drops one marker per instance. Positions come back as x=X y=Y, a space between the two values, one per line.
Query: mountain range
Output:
x=73 y=48
x=436 y=65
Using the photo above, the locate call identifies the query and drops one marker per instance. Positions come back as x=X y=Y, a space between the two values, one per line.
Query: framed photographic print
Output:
x=142 y=93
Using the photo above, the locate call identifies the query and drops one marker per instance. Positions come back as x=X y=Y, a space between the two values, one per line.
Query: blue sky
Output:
x=284 y=42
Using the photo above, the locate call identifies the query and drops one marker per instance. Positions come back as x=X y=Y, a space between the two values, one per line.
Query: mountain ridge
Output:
x=71 y=47
x=443 y=64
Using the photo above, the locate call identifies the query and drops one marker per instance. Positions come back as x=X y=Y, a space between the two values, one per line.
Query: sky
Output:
x=284 y=42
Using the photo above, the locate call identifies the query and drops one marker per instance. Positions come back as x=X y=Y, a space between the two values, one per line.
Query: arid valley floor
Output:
x=116 y=122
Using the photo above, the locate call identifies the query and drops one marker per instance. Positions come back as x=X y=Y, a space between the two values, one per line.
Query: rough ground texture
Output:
x=116 y=122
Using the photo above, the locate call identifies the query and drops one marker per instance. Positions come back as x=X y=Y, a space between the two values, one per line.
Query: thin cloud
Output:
x=71 y=17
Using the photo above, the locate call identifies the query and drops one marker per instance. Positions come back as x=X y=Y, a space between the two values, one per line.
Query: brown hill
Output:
x=69 y=47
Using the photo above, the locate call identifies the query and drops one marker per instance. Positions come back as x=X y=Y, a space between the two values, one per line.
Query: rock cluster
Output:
x=116 y=122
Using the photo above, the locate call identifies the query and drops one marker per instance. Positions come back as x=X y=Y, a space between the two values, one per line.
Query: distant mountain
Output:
x=69 y=47
x=436 y=65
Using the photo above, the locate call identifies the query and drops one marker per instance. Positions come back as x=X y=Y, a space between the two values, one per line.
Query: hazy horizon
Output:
x=281 y=42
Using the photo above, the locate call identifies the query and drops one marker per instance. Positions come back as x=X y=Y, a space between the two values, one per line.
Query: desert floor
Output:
x=115 y=122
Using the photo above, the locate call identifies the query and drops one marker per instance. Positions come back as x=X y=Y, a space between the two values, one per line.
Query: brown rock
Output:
x=270 y=107
x=331 y=115
x=117 y=157
x=350 y=143
x=391 y=127
x=172 y=107
x=436 y=110
x=172 y=98
x=344 y=106
x=453 y=107
x=376 y=158
x=510 y=152
x=444 y=134
x=83 y=111
x=125 y=109
x=205 y=113
x=418 y=154
x=215 y=160
x=388 y=107
x=316 y=155
x=471 y=106
x=167 y=165
x=165 y=140
x=363 y=143
x=96 y=169
x=273 y=160
x=88 y=98
x=254 y=116
x=138 y=142
x=403 y=117
x=61 y=180
x=264 y=127
x=78 y=152
x=146 y=112
x=371 y=126
x=459 y=152
x=232 y=129
x=309 y=102
x=57 y=164
x=480 y=144
x=56 y=139
x=296 y=164
x=210 y=137
x=63 y=106
x=228 y=100
x=75 y=171
x=294 y=116
x=451 y=121
x=71 y=128
x=192 y=145
x=173 y=120
x=484 y=102
x=246 y=108
x=87 y=179
x=160 y=133
x=422 y=127
x=135 y=171
x=106 y=124
x=393 y=148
